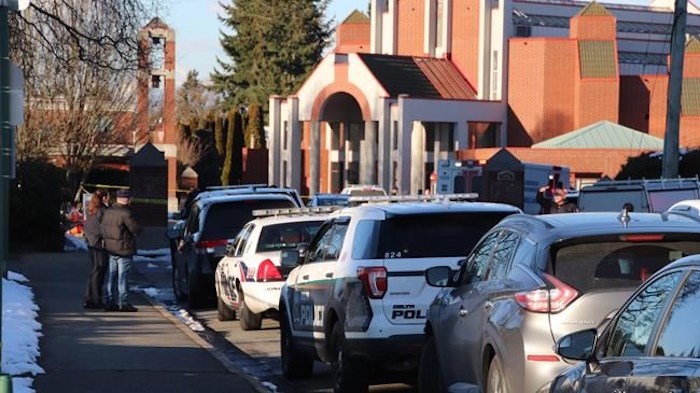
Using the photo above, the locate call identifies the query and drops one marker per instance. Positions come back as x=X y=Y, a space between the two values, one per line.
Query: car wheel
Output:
x=496 y=379
x=295 y=365
x=223 y=312
x=349 y=375
x=177 y=284
x=248 y=319
x=429 y=375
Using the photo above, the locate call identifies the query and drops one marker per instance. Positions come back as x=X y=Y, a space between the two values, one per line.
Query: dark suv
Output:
x=199 y=241
x=533 y=279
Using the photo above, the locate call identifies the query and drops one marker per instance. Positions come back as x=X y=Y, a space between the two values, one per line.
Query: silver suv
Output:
x=359 y=300
x=533 y=279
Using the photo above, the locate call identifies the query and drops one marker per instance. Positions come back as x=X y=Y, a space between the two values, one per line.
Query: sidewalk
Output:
x=95 y=351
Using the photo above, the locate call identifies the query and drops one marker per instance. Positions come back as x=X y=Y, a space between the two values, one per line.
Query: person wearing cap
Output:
x=557 y=203
x=119 y=230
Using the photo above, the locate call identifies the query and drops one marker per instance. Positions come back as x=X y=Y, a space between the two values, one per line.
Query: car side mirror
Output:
x=289 y=258
x=303 y=250
x=440 y=276
x=175 y=231
x=230 y=248
x=578 y=345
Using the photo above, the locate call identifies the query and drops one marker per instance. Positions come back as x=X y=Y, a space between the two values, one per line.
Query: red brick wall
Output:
x=558 y=87
x=352 y=37
x=657 y=85
x=410 y=22
x=597 y=99
x=691 y=65
x=465 y=38
x=634 y=103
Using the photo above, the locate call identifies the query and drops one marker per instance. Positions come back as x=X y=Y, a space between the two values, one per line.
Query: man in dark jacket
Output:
x=119 y=230
x=554 y=201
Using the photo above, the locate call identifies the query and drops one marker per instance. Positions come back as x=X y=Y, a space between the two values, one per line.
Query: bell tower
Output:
x=156 y=98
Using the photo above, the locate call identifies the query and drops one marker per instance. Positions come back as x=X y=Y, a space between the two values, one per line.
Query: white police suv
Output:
x=359 y=299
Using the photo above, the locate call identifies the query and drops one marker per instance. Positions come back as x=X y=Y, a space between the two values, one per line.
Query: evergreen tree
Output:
x=254 y=131
x=273 y=47
x=219 y=136
x=228 y=160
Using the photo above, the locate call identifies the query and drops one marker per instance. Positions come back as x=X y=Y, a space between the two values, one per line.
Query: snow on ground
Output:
x=20 y=333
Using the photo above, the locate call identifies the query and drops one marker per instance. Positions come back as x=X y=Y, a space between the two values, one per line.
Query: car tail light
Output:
x=374 y=280
x=267 y=271
x=642 y=237
x=547 y=300
x=210 y=243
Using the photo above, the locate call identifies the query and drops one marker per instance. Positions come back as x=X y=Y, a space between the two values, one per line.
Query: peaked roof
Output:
x=157 y=23
x=603 y=135
x=356 y=17
x=594 y=9
x=423 y=77
x=148 y=156
x=692 y=46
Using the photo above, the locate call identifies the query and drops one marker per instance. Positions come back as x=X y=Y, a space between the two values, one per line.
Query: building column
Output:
x=384 y=146
x=417 y=157
x=294 y=145
x=314 y=157
x=273 y=142
x=461 y=130
x=369 y=153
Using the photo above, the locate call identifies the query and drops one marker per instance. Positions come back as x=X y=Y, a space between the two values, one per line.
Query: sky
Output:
x=197 y=31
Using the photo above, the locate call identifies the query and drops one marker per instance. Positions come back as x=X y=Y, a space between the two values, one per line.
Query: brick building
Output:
x=423 y=80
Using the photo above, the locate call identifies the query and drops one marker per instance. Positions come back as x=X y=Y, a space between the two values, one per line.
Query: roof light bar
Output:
x=295 y=211
x=413 y=198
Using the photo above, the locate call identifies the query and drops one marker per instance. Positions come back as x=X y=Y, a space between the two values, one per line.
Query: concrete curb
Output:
x=230 y=366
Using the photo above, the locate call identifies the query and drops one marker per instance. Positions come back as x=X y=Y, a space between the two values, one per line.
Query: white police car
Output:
x=248 y=279
x=359 y=299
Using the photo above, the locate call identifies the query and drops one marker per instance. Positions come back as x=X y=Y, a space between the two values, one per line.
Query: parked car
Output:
x=651 y=345
x=328 y=200
x=238 y=189
x=687 y=206
x=199 y=242
x=646 y=195
x=363 y=190
x=248 y=279
x=358 y=300
x=532 y=280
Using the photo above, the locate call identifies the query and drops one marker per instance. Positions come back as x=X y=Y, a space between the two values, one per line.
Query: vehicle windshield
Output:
x=225 y=220
x=602 y=201
x=663 y=199
x=289 y=235
x=423 y=235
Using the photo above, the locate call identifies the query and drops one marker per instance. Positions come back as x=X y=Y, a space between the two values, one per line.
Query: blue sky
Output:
x=197 y=31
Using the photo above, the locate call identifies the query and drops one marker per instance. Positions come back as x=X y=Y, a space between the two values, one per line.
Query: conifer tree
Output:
x=254 y=132
x=231 y=172
x=226 y=168
x=273 y=46
x=219 y=136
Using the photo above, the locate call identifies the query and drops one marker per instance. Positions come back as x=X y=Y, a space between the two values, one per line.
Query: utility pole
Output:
x=669 y=167
x=7 y=124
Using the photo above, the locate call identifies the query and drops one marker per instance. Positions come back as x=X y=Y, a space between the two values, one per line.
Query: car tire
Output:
x=495 y=377
x=429 y=375
x=177 y=284
x=295 y=365
x=223 y=312
x=248 y=319
x=349 y=375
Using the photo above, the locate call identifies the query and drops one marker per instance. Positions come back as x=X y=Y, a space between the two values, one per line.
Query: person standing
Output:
x=98 y=256
x=119 y=230
x=557 y=203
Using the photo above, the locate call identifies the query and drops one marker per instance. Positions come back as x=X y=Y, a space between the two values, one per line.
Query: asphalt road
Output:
x=257 y=352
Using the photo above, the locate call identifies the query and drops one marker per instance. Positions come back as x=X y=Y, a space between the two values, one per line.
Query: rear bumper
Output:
x=397 y=353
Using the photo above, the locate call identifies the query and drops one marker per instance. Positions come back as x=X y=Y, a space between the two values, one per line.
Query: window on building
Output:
x=495 y=76
x=439 y=23
x=285 y=133
x=395 y=135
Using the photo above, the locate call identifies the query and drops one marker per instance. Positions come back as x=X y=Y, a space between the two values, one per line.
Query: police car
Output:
x=248 y=279
x=359 y=300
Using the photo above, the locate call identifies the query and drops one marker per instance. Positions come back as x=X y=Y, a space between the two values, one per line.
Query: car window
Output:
x=633 y=326
x=679 y=336
x=478 y=260
x=243 y=241
x=192 y=225
x=416 y=235
x=661 y=200
x=503 y=255
x=288 y=235
x=237 y=240
x=601 y=263
x=329 y=242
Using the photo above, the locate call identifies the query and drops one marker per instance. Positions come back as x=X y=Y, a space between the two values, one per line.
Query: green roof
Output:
x=598 y=59
x=690 y=99
x=356 y=17
x=603 y=135
x=594 y=9
x=692 y=46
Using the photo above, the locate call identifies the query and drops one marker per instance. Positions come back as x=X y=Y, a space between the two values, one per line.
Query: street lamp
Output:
x=8 y=103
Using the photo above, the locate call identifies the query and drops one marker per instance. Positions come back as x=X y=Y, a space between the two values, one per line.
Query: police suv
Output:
x=358 y=299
